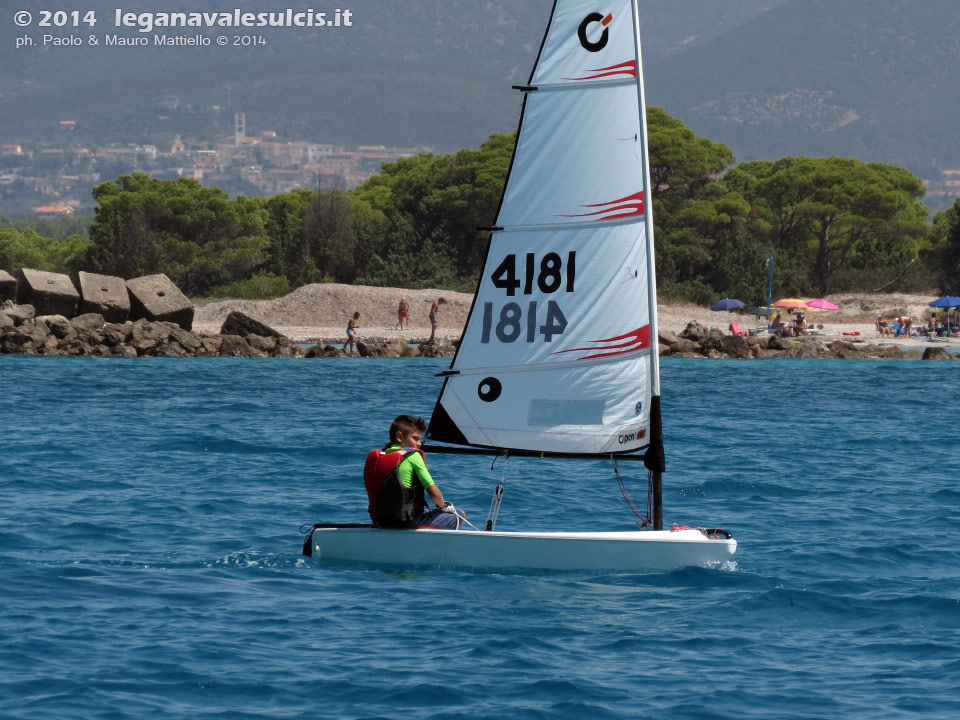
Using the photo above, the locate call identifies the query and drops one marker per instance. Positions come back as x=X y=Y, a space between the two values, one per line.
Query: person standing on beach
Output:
x=398 y=483
x=935 y=327
x=905 y=321
x=403 y=313
x=434 y=317
x=352 y=325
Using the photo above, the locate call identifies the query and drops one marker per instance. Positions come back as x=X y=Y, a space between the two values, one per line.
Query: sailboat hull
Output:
x=590 y=551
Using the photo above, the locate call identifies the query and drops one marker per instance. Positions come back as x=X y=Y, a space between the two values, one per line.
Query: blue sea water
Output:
x=150 y=559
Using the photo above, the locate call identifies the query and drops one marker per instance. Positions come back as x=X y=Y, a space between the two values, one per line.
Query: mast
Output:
x=654 y=458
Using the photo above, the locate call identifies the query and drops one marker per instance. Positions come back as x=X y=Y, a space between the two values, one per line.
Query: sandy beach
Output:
x=319 y=313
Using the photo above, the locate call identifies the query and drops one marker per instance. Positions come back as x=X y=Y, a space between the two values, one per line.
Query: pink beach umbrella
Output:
x=821 y=304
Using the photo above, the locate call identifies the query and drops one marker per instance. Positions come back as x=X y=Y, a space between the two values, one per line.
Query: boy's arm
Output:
x=434 y=492
x=423 y=477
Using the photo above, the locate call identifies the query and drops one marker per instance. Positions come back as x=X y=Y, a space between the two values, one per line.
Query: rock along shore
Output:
x=44 y=313
x=149 y=316
x=21 y=332
x=242 y=336
x=698 y=341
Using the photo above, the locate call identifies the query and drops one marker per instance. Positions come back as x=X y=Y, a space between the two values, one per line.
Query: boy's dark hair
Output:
x=406 y=424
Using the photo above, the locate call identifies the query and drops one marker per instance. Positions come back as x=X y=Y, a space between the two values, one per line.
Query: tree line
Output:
x=831 y=225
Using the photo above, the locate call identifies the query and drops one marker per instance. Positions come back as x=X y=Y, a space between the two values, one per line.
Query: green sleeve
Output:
x=414 y=466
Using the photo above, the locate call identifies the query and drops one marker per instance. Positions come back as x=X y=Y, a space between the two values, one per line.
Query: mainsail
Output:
x=560 y=349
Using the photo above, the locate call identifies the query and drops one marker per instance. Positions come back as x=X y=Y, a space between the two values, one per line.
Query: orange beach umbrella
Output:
x=791 y=304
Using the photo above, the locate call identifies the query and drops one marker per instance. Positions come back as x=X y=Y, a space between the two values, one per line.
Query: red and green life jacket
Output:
x=391 y=503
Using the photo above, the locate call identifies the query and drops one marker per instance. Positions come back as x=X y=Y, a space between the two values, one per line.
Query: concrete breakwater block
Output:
x=105 y=295
x=8 y=286
x=156 y=298
x=49 y=293
x=238 y=323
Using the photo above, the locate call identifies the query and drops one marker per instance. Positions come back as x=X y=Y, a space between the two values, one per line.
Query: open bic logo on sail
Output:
x=598 y=45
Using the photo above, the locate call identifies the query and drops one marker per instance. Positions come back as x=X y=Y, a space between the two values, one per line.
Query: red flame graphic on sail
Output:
x=625 y=68
x=629 y=206
x=632 y=341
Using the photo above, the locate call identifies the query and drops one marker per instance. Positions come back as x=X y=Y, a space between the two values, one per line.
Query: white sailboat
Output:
x=559 y=355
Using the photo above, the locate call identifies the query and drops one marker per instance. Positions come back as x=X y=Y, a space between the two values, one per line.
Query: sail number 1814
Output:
x=514 y=323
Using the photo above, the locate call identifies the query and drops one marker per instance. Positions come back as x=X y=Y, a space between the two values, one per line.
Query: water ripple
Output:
x=150 y=567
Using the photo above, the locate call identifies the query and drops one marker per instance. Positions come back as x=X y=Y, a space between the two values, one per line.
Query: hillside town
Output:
x=56 y=179
x=947 y=186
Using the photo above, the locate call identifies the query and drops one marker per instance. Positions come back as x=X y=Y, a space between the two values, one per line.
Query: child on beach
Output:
x=352 y=326
x=435 y=317
x=402 y=313
x=397 y=482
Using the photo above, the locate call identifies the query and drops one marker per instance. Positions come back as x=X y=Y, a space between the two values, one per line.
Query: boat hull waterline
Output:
x=608 y=551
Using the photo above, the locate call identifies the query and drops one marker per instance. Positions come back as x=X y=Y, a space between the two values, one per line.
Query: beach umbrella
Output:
x=791 y=304
x=727 y=304
x=821 y=304
x=948 y=301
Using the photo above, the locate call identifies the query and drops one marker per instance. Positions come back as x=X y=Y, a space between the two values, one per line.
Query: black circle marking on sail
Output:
x=489 y=389
x=582 y=33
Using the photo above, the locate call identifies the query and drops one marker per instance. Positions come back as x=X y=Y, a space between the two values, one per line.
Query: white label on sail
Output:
x=557 y=353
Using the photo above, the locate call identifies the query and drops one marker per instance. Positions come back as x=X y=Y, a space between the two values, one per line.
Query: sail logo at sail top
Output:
x=586 y=42
x=627 y=68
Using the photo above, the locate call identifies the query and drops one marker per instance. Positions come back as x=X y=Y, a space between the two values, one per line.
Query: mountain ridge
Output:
x=445 y=67
x=870 y=79
x=848 y=80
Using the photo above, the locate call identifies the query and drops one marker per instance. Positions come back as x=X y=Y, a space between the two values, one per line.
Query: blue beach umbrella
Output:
x=727 y=304
x=948 y=301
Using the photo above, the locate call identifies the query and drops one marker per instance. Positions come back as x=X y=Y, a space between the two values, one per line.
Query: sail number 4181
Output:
x=552 y=275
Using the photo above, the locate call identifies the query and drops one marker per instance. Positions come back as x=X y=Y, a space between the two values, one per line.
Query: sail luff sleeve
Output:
x=648 y=215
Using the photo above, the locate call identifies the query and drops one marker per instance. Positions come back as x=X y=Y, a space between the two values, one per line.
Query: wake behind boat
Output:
x=559 y=354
